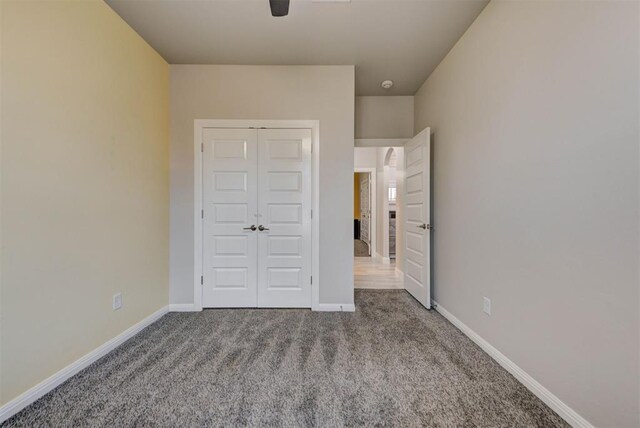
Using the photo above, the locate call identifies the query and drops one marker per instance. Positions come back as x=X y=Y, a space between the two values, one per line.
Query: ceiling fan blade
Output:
x=279 y=7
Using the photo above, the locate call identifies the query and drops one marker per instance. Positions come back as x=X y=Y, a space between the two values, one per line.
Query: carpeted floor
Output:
x=390 y=363
x=360 y=248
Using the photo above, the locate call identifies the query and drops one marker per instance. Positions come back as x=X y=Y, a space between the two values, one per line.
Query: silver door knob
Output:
x=251 y=228
x=261 y=228
x=422 y=226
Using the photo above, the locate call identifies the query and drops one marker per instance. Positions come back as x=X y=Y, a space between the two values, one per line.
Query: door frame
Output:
x=372 y=198
x=198 y=126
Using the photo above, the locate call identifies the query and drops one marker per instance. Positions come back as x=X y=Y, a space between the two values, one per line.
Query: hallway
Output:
x=371 y=273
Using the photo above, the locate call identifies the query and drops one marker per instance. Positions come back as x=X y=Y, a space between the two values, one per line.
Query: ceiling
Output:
x=401 y=40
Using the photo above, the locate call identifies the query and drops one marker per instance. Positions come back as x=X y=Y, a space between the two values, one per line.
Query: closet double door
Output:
x=256 y=217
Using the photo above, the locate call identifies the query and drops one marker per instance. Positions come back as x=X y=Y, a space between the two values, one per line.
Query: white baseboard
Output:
x=31 y=395
x=384 y=260
x=566 y=412
x=183 y=307
x=335 y=307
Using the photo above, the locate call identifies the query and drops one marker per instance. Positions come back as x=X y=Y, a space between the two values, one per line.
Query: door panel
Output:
x=230 y=204
x=284 y=206
x=365 y=209
x=417 y=227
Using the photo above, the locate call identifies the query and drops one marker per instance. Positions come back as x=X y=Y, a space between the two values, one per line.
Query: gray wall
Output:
x=384 y=117
x=324 y=93
x=535 y=115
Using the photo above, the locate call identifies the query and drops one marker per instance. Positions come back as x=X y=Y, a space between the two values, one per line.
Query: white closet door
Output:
x=284 y=206
x=417 y=228
x=230 y=177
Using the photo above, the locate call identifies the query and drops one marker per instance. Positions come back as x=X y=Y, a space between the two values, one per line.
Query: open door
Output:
x=416 y=224
x=365 y=209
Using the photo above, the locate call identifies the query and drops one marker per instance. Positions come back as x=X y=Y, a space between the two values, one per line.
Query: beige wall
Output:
x=535 y=118
x=324 y=93
x=384 y=117
x=85 y=184
x=365 y=157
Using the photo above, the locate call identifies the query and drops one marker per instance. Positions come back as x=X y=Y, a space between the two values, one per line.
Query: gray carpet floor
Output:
x=360 y=248
x=391 y=363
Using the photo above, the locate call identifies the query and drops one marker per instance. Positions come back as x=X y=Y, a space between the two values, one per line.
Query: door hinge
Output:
x=311 y=280
x=311 y=147
x=311 y=213
x=201 y=213
x=202 y=147
x=202 y=280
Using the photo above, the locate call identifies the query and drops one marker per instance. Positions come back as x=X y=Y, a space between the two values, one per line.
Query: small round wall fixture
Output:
x=387 y=84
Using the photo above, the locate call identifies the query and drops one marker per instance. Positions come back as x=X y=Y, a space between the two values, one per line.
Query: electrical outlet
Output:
x=117 y=301
x=486 y=306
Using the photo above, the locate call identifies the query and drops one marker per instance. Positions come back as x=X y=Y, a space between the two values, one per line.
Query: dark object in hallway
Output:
x=360 y=248
x=390 y=363
x=356 y=228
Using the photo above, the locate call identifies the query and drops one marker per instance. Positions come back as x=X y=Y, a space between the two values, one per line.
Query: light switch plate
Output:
x=117 y=301
x=486 y=307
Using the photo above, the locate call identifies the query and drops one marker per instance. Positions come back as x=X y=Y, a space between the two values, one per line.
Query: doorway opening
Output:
x=376 y=182
x=361 y=214
x=364 y=215
x=400 y=206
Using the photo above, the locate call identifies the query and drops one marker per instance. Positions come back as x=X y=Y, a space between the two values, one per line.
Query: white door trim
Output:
x=199 y=125
x=374 y=207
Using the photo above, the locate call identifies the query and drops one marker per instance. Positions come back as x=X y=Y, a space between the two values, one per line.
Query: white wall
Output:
x=324 y=93
x=85 y=184
x=384 y=117
x=535 y=117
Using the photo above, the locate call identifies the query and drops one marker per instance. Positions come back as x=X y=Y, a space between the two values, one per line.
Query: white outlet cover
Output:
x=486 y=306
x=117 y=301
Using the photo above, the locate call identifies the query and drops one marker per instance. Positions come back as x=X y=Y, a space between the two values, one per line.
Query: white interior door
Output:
x=284 y=219
x=230 y=205
x=416 y=224
x=365 y=209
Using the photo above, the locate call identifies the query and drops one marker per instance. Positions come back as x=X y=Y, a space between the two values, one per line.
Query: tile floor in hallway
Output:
x=372 y=273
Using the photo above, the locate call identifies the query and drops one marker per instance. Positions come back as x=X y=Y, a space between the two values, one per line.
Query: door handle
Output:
x=251 y=228
x=422 y=226
x=261 y=228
